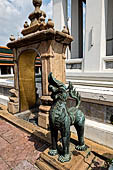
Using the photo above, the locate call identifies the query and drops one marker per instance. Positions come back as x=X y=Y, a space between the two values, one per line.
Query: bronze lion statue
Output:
x=61 y=118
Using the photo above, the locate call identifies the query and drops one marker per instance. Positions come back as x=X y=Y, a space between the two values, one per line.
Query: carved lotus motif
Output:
x=37 y=3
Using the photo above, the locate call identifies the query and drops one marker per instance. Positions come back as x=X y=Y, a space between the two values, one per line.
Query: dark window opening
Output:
x=5 y=70
x=109 y=28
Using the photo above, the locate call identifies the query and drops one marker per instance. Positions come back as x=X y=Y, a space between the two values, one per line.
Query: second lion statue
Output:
x=61 y=118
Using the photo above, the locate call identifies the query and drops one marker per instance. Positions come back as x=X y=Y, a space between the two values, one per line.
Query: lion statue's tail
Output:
x=75 y=95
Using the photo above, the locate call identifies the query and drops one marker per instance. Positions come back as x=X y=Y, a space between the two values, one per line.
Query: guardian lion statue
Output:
x=61 y=118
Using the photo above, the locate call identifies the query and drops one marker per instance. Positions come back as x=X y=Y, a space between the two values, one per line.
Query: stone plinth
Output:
x=79 y=160
x=43 y=115
x=13 y=104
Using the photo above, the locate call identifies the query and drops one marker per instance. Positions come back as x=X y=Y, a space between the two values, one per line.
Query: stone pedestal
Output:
x=13 y=104
x=43 y=115
x=79 y=160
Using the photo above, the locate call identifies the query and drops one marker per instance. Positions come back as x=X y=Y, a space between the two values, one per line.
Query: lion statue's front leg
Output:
x=65 y=136
x=54 y=135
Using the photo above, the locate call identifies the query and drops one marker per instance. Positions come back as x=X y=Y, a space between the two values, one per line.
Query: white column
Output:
x=39 y=70
x=0 y=70
x=60 y=14
x=11 y=70
x=95 y=48
x=77 y=28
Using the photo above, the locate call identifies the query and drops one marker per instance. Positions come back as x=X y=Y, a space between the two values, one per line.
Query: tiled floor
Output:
x=18 y=149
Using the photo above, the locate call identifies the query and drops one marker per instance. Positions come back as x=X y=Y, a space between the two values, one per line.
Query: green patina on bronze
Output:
x=61 y=118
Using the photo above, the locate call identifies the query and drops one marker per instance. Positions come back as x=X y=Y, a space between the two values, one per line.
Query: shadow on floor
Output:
x=39 y=144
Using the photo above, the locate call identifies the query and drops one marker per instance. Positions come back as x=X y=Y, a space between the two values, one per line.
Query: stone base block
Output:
x=14 y=93
x=14 y=99
x=44 y=108
x=79 y=160
x=43 y=120
x=13 y=107
x=46 y=100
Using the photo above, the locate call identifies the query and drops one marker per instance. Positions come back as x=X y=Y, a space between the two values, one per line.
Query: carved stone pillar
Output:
x=53 y=60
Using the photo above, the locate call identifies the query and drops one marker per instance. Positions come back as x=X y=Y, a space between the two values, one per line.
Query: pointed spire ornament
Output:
x=26 y=25
x=12 y=38
x=65 y=30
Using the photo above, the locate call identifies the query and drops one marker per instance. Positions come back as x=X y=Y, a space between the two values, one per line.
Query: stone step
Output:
x=42 y=165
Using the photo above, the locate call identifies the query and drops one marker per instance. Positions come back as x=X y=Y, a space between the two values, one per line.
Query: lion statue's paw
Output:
x=53 y=152
x=81 y=147
x=65 y=158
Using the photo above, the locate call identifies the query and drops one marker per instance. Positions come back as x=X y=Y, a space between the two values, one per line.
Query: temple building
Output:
x=6 y=61
x=97 y=27
x=90 y=63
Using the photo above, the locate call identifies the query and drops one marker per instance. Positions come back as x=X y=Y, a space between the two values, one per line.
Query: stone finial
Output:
x=12 y=38
x=65 y=30
x=50 y=24
x=37 y=3
x=37 y=14
x=37 y=18
x=26 y=25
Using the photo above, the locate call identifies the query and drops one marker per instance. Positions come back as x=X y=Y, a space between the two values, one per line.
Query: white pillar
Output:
x=11 y=70
x=60 y=14
x=60 y=17
x=77 y=28
x=95 y=48
x=0 y=70
x=39 y=70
